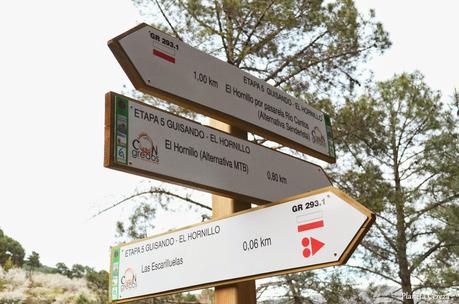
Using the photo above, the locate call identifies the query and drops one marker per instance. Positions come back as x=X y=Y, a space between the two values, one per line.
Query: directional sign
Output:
x=164 y=66
x=144 y=140
x=317 y=229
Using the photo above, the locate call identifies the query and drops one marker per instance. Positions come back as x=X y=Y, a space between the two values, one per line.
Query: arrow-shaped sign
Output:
x=314 y=230
x=163 y=66
x=144 y=140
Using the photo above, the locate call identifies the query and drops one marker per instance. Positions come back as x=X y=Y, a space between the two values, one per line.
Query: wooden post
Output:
x=240 y=293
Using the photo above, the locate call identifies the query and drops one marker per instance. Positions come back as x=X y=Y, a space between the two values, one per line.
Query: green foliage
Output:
x=399 y=148
x=330 y=286
x=302 y=46
x=175 y=298
x=61 y=268
x=10 y=248
x=33 y=260
x=139 y=222
x=22 y=286
x=82 y=300
x=98 y=282
x=78 y=271
x=8 y=264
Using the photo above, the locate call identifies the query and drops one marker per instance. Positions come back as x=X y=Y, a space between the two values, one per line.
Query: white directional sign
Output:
x=164 y=66
x=144 y=140
x=317 y=229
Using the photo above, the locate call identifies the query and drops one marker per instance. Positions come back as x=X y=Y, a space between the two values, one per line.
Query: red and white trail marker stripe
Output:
x=310 y=221
x=162 y=52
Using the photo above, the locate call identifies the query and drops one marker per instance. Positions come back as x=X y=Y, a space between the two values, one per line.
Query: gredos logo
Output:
x=128 y=280
x=144 y=148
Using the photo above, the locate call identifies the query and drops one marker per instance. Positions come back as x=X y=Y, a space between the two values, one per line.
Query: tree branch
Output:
x=325 y=59
x=168 y=22
x=391 y=297
x=249 y=36
x=242 y=25
x=419 y=213
x=253 y=69
x=386 y=237
x=374 y=272
x=402 y=162
x=421 y=183
x=229 y=33
x=220 y=27
x=415 y=235
x=374 y=249
x=292 y=57
x=254 y=48
x=421 y=258
x=158 y=191
x=385 y=219
x=370 y=147
x=211 y=29
x=348 y=75
x=414 y=133
x=434 y=286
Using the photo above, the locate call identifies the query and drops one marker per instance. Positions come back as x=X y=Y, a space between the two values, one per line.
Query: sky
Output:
x=55 y=68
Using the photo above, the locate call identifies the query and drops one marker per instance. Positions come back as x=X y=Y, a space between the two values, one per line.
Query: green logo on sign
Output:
x=121 y=130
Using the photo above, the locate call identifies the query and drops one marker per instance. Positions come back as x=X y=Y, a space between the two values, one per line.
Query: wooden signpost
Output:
x=314 y=230
x=310 y=225
x=163 y=66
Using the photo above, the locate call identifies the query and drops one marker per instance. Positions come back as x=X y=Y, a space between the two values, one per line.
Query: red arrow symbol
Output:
x=316 y=245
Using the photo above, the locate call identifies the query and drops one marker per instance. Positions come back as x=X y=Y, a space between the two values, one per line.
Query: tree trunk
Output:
x=404 y=272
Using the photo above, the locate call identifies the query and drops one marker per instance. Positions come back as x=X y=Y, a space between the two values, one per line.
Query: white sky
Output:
x=55 y=68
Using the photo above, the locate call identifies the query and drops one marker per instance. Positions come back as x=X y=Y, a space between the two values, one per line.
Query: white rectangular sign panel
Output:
x=144 y=140
x=319 y=229
x=166 y=67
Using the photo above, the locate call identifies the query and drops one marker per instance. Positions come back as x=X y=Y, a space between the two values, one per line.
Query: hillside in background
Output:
x=24 y=286
x=24 y=281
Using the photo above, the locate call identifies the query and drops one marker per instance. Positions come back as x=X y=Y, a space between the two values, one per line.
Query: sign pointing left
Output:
x=165 y=67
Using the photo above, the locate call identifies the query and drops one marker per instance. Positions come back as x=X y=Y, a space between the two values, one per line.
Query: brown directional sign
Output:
x=313 y=230
x=147 y=141
x=163 y=66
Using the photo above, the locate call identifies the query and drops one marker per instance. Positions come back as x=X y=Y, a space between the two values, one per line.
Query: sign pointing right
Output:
x=147 y=141
x=313 y=230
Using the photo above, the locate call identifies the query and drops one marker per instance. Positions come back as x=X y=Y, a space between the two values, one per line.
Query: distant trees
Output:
x=12 y=256
x=33 y=261
x=63 y=269
x=8 y=264
x=97 y=280
x=11 y=251
x=19 y=285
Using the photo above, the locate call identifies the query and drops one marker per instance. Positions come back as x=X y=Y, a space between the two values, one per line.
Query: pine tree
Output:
x=400 y=153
